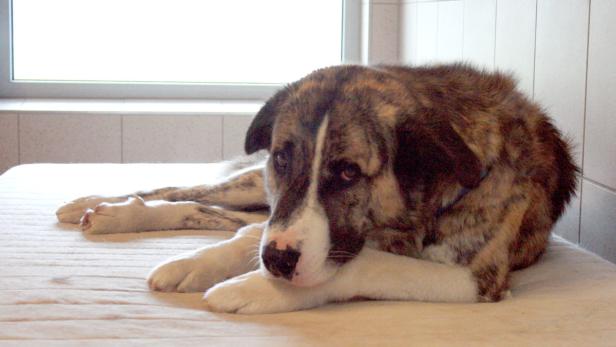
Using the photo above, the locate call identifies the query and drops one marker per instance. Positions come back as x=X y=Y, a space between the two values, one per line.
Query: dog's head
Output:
x=346 y=147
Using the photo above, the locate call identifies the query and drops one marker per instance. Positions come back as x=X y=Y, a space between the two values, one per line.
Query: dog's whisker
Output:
x=253 y=251
x=341 y=253
x=253 y=261
x=340 y=257
x=251 y=237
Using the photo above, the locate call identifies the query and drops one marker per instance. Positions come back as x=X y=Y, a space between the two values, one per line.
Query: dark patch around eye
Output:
x=349 y=173
x=282 y=159
x=333 y=182
x=345 y=172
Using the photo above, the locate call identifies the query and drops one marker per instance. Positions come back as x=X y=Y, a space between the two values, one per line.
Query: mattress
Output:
x=61 y=287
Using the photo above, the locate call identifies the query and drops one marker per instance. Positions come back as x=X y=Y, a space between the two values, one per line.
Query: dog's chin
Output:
x=306 y=278
x=314 y=278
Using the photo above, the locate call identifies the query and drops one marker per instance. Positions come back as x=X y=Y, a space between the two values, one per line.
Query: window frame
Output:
x=10 y=88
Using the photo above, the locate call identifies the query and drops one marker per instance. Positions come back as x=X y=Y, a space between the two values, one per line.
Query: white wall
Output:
x=57 y=137
x=562 y=53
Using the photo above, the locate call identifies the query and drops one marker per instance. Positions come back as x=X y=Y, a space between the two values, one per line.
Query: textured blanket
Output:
x=61 y=287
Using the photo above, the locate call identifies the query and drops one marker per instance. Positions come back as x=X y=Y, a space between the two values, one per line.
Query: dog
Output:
x=390 y=182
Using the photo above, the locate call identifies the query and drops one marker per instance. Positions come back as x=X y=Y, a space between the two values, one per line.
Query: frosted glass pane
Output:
x=230 y=41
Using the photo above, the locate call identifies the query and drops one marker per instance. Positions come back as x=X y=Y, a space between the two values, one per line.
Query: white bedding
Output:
x=61 y=287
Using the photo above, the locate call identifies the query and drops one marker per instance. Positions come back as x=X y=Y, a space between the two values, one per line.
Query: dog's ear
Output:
x=259 y=135
x=426 y=150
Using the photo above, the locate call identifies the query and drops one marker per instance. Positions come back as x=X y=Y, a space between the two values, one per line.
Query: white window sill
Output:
x=130 y=106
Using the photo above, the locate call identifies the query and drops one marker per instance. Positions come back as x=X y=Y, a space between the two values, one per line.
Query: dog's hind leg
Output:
x=135 y=214
x=203 y=268
x=243 y=190
x=491 y=266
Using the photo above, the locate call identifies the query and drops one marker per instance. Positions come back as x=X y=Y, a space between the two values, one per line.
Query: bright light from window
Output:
x=189 y=41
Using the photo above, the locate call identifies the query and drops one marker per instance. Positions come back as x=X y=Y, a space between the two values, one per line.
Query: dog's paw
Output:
x=252 y=293
x=73 y=211
x=108 y=218
x=189 y=272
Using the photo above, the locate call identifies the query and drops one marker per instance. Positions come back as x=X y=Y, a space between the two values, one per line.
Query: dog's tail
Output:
x=241 y=163
x=566 y=169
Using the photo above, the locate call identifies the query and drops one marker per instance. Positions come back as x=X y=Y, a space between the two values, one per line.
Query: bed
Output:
x=60 y=287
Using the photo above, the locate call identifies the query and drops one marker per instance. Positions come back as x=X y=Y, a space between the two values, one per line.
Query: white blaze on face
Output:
x=309 y=230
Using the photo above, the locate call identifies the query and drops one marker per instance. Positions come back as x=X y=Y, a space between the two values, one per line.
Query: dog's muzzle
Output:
x=280 y=263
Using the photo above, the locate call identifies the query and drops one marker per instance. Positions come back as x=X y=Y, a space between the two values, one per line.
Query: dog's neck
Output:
x=461 y=193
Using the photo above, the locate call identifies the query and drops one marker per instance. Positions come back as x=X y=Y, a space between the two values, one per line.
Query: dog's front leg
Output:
x=199 y=270
x=372 y=274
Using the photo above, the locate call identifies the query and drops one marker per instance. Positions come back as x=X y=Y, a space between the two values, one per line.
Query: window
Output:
x=164 y=48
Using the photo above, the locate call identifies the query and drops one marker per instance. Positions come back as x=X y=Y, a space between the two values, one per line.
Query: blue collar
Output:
x=460 y=195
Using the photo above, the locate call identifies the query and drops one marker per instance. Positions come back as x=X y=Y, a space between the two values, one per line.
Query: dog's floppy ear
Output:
x=425 y=150
x=259 y=135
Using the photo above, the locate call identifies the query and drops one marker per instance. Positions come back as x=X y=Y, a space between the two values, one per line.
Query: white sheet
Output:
x=61 y=287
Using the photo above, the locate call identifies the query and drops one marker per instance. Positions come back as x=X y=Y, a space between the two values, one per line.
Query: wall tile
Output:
x=366 y=14
x=515 y=40
x=600 y=147
x=479 y=32
x=431 y=32
x=384 y=31
x=172 y=139
x=568 y=226
x=66 y=138
x=234 y=133
x=9 y=148
x=450 y=31
x=408 y=33
x=427 y=33
x=560 y=64
x=598 y=230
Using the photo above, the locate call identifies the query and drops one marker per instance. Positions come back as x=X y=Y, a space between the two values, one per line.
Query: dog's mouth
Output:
x=308 y=255
x=301 y=268
x=298 y=268
x=315 y=277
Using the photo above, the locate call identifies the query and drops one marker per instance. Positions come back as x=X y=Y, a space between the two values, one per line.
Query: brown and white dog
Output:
x=427 y=183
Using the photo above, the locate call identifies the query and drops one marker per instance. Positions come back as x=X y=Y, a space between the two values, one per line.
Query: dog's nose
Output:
x=280 y=263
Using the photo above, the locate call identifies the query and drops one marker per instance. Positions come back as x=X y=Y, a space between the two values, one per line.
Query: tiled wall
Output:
x=563 y=53
x=112 y=138
x=382 y=30
x=9 y=139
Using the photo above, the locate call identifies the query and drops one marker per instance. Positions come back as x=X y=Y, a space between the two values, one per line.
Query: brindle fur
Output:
x=419 y=136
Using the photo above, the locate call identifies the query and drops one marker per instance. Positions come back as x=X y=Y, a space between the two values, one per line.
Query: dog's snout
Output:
x=280 y=262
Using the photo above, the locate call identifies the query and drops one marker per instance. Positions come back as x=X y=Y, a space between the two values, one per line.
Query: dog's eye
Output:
x=280 y=161
x=349 y=172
